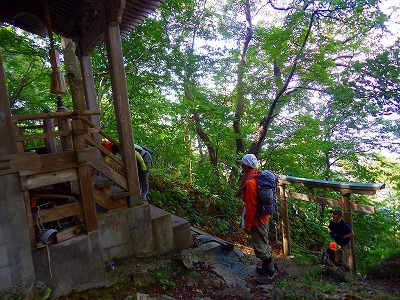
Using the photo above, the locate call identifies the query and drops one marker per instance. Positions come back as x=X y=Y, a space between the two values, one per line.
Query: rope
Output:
x=49 y=260
x=48 y=23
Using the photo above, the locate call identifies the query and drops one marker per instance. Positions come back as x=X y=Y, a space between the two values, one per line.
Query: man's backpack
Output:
x=267 y=203
x=147 y=155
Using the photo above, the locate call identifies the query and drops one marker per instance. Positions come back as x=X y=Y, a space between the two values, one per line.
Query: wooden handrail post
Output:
x=50 y=143
x=285 y=221
x=64 y=124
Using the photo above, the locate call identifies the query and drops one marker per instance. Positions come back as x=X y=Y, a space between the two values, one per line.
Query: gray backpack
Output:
x=147 y=155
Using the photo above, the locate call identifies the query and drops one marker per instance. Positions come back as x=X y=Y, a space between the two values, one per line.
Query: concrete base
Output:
x=76 y=263
x=143 y=230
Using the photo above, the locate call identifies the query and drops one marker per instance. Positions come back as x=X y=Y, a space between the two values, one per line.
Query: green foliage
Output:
x=162 y=277
x=182 y=80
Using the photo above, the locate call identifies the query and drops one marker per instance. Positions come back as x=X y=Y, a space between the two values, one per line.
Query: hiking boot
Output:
x=266 y=268
x=265 y=279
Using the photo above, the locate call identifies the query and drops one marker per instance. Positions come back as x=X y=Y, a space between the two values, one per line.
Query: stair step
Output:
x=162 y=229
x=182 y=234
x=156 y=212
x=102 y=182
x=121 y=195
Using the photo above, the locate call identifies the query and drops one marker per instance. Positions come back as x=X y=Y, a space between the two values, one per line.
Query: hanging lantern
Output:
x=57 y=80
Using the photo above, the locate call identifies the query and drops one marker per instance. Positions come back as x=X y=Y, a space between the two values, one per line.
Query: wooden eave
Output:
x=72 y=18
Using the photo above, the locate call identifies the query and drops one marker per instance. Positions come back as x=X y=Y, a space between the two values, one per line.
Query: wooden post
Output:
x=122 y=110
x=285 y=221
x=50 y=143
x=64 y=124
x=29 y=219
x=85 y=183
x=90 y=92
x=348 y=218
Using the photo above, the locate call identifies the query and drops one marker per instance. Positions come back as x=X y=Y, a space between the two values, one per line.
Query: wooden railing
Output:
x=70 y=153
x=347 y=206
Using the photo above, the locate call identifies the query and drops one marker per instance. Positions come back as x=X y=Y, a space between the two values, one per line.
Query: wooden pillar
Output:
x=285 y=221
x=17 y=264
x=122 y=109
x=348 y=218
x=90 y=92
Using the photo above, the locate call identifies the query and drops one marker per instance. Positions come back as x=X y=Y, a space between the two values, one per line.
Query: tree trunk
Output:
x=74 y=75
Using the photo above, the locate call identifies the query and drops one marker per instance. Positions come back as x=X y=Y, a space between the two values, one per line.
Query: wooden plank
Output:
x=69 y=233
x=60 y=158
x=60 y=212
x=110 y=173
x=49 y=169
x=342 y=187
x=225 y=244
x=17 y=162
x=45 y=179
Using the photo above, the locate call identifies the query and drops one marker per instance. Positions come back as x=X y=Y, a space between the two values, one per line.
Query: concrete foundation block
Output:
x=76 y=263
x=114 y=228
x=141 y=233
x=182 y=234
x=162 y=230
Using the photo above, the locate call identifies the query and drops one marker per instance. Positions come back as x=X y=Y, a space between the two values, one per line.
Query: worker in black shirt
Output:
x=341 y=233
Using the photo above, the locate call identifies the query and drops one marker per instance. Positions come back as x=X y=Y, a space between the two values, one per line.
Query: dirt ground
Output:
x=216 y=274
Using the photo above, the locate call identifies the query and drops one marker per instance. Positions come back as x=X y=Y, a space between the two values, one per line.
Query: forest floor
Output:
x=191 y=274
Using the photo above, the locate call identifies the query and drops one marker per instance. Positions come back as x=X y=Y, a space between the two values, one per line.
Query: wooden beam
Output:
x=93 y=35
x=331 y=202
x=342 y=187
x=19 y=162
x=60 y=212
x=43 y=135
x=103 y=150
x=310 y=198
x=62 y=158
x=44 y=116
x=110 y=173
x=45 y=179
